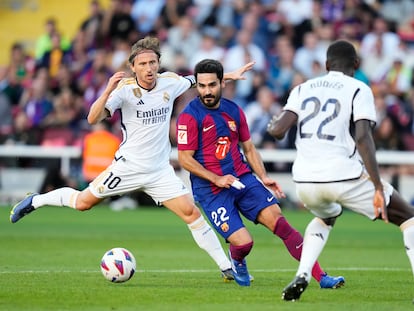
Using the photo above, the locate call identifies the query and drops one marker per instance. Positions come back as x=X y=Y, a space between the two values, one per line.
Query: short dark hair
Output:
x=342 y=54
x=209 y=66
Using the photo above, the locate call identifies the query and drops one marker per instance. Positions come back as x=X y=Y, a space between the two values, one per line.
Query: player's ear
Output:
x=357 y=62
x=327 y=66
x=131 y=66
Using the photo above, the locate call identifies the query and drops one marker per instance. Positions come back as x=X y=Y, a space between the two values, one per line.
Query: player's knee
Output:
x=82 y=206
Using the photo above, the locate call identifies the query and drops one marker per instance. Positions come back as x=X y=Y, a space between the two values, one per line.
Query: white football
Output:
x=118 y=265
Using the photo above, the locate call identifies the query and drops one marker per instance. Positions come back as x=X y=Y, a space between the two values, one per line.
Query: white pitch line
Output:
x=383 y=269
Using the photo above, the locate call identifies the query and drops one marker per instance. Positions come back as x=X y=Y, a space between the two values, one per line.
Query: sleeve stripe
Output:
x=192 y=80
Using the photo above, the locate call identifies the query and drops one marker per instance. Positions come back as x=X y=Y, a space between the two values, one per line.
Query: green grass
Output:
x=50 y=261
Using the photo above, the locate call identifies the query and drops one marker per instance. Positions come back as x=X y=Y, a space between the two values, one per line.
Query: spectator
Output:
x=311 y=51
x=67 y=108
x=380 y=34
x=173 y=11
x=146 y=14
x=118 y=56
x=399 y=77
x=97 y=63
x=55 y=57
x=243 y=52
x=36 y=101
x=98 y=152
x=293 y=15
x=79 y=54
x=44 y=42
x=17 y=74
x=281 y=69
x=397 y=11
x=95 y=86
x=208 y=47
x=259 y=113
x=99 y=147
x=91 y=26
x=184 y=38
x=254 y=23
x=332 y=11
x=23 y=133
x=206 y=12
x=64 y=79
x=6 y=120
x=117 y=23
x=376 y=63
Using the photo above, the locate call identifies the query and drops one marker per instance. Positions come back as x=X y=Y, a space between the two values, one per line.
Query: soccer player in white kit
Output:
x=336 y=166
x=142 y=160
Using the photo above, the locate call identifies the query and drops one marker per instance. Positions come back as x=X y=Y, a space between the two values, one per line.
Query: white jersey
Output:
x=145 y=120
x=326 y=106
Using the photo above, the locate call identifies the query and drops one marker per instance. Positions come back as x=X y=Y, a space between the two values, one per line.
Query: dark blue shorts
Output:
x=223 y=209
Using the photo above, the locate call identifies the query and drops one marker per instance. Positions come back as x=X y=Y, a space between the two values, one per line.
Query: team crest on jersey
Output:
x=166 y=97
x=232 y=125
x=137 y=92
x=225 y=227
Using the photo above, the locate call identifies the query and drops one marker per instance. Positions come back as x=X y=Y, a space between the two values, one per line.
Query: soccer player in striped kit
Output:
x=210 y=132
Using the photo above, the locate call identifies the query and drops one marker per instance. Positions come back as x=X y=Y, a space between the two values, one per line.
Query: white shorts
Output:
x=119 y=179
x=326 y=200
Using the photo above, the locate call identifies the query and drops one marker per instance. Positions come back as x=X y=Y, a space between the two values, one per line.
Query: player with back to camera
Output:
x=335 y=115
x=142 y=160
x=210 y=131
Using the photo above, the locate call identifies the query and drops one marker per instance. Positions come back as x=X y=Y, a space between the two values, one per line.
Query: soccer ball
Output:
x=118 y=265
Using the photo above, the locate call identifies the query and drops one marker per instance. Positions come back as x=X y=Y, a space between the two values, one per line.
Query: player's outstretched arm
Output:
x=238 y=73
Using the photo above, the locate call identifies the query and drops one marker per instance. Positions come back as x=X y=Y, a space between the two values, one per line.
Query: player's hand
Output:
x=114 y=80
x=238 y=74
x=274 y=186
x=227 y=181
x=379 y=205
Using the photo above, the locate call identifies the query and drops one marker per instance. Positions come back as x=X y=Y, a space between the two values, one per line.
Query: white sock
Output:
x=316 y=236
x=206 y=239
x=60 y=197
x=408 y=237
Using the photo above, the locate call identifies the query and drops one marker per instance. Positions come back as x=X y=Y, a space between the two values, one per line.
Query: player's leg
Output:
x=183 y=206
x=399 y=211
x=255 y=207
x=167 y=189
x=225 y=218
x=115 y=180
x=65 y=196
x=241 y=243
x=272 y=218
x=401 y=214
x=315 y=237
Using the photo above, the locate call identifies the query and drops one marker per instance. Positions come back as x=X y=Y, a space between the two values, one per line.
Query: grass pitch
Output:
x=50 y=261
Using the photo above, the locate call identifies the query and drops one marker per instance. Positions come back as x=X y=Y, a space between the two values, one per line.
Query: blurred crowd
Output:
x=45 y=95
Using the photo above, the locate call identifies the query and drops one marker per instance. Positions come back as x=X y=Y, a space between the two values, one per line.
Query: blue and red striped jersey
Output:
x=214 y=135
